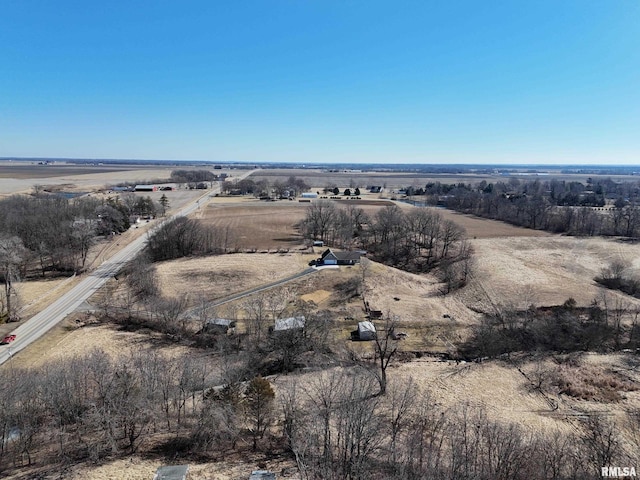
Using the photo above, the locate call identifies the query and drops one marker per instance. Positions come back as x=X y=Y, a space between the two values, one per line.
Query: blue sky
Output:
x=322 y=81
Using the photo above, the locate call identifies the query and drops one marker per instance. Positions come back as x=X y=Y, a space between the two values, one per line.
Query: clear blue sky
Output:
x=516 y=81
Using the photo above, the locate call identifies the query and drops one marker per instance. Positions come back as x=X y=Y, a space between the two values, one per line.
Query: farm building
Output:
x=375 y=189
x=366 y=331
x=218 y=325
x=174 y=472
x=287 y=324
x=146 y=188
x=309 y=195
x=329 y=257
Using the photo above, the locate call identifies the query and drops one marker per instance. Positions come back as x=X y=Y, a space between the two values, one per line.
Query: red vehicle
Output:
x=8 y=339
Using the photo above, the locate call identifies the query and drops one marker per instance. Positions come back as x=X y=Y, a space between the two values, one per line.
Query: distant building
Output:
x=375 y=189
x=318 y=243
x=309 y=195
x=146 y=188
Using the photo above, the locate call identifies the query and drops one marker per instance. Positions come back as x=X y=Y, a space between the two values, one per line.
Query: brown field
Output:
x=22 y=177
x=258 y=225
x=43 y=171
x=255 y=225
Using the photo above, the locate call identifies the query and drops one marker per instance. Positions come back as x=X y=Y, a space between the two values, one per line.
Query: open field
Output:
x=217 y=277
x=24 y=170
x=19 y=178
x=257 y=225
x=544 y=270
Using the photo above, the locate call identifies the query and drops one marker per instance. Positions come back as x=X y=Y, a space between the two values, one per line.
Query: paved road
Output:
x=42 y=322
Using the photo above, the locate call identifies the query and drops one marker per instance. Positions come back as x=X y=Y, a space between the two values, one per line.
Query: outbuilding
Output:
x=289 y=324
x=366 y=331
x=309 y=195
x=146 y=188
x=218 y=325
x=172 y=472
x=262 y=475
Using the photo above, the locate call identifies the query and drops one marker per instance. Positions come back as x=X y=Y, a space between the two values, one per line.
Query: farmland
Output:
x=514 y=268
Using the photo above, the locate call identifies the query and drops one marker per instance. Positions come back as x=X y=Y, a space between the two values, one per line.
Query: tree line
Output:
x=554 y=205
x=49 y=233
x=334 y=426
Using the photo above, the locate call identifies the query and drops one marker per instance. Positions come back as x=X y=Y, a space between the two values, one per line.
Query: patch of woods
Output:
x=51 y=235
x=418 y=241
x=606 y=325
x=291 y=187
x=333 y=425
x=617 y=276
x=554 y=205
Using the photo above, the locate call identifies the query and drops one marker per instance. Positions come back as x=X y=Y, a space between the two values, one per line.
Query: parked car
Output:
x=8 y=339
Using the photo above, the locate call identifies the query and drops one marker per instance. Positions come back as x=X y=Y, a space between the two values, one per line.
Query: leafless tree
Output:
x=385 y=348
x=12 y=254
x=257 y=314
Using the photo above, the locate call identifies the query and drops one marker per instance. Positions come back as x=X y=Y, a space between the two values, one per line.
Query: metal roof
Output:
x=172 y=472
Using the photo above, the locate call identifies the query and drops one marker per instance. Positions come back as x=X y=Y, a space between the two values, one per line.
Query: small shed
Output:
x=262 y=475
x=172 y=472
x=289 y=324
x=218 y=325
x=366 y=331
x=318 y=243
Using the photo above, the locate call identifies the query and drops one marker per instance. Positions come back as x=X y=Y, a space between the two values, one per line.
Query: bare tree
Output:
x=385 y=348
x=12 y=254
x=257 y=309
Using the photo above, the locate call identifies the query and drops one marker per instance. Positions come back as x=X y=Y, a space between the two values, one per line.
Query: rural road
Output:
x=42 y=322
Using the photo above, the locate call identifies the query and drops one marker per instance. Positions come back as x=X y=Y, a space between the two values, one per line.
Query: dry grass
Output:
x=592 y=382
x=257 y=225
x=542 y=271
x=223 y=275
x=234 y=466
